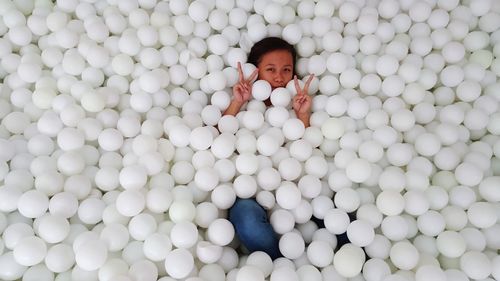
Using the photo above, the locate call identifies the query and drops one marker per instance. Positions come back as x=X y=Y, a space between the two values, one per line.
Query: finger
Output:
x=237 y=88
x=240 y=72
x=254 y=75
x=306 y=87
x=296 y=82
x=310 y=79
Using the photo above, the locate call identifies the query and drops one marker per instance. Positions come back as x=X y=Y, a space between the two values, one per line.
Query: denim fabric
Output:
x=253 y=228
x=256 y=233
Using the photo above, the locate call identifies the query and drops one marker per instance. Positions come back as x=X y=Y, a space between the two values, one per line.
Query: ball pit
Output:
x=117 y=163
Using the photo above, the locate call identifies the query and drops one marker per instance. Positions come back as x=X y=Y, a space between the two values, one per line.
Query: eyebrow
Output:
x=272 y=64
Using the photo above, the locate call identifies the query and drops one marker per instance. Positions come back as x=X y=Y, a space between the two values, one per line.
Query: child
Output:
x=275 y=61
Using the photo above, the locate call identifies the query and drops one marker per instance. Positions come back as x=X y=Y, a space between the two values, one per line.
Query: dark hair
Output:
x=267 y=45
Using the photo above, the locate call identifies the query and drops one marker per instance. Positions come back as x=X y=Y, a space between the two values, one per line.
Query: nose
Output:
x=278 y=78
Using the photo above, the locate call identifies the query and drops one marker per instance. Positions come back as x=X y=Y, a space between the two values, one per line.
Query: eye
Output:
x=270 y=69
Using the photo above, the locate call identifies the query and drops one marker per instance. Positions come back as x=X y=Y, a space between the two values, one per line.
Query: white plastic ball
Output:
x=246 y=163
x=157 y=246
x=349 y=260
x=277 y=116
x=115 y=235
x=253 y=120
x=387 y=65
x=223 y=146
x=487 y=188
x=320 y=253
x=291 y=245
x=184 y=234
x=431 y=223
x=337 y=63
x=249 y=273
x=245 y=186
x=347 y=199
x=450 y=244
x=333 y=128
x=481 y=214
x=181 y=210
x=53 y=229
x=130 y=202
x=402 y=120
x=91 y=255
x=336 y=221
x=292 y=33
x=468 y=174
x=289 y=169
x=220 y=232
x=293 y=129
x=358 y=170
x=475 y=264
x=201 y=138
x=404 y=255
x=280 y=97
x=360 y=233
x=208 y=253
x=282 y=221
x=30 y=251
x=60 y=258
x=267 y=145
x=63 y=204
x=451 y=76
x=427 y=144
x=288 y=196
x=198 y=11
x=33 y=203
x=390 y=202
x=223 y=196
x=179 y=263
x=348 y=12
x=184 y=25
x=310 y=186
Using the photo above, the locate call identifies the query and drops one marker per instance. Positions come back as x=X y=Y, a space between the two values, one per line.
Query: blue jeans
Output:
x=253 y=228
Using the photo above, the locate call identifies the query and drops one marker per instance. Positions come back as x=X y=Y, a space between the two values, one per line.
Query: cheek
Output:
x=264 y=76
x=261 y=74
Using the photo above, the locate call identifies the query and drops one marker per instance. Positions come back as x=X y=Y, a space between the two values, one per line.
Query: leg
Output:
x=253 y=228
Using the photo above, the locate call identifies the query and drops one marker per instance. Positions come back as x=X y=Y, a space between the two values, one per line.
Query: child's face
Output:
x=276 y=67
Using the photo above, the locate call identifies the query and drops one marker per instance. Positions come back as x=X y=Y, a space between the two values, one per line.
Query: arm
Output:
x=304 y=117
x=234 y=108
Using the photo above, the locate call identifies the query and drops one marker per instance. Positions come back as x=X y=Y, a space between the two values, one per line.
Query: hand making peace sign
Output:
x=302 y=101
x=242 y=90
